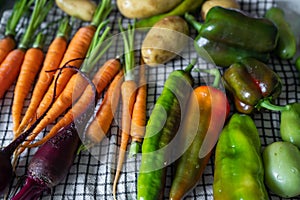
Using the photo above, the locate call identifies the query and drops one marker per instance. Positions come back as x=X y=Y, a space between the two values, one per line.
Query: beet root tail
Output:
x=32 y=190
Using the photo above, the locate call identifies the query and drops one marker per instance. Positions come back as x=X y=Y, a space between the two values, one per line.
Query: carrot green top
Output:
x=19 y=9
x=40 y=11
x=128 y=38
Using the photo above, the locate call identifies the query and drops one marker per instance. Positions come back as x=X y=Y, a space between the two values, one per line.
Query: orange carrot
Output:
x=52 y=60
x=30 y=67
x=138 y=122
x=77 y=48
x=128 y=92
x=100 y=125
x=77 y=83
x=73 y=90
x=101 y=79
x=10 y=67
x=8 y=43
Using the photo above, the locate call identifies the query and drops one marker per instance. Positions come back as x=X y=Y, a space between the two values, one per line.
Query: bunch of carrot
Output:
x=109 y=71
x=66 y=85
x=63 y=82
x=8 y=42
x=73 y=56
x=133 y=103
x=11 y=65
x=51 y=62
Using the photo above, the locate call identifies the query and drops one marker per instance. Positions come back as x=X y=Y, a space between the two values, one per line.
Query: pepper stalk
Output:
x=289 y=120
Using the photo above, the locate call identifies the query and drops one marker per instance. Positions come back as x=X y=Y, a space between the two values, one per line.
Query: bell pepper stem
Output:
x=265 y=103
x=216 y=73
x=191 y=19
x=190 y=66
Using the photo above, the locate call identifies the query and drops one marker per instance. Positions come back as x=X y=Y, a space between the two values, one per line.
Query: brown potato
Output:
x=83 y=9
x=207 y=5
x=165 y=40
x=145 y=8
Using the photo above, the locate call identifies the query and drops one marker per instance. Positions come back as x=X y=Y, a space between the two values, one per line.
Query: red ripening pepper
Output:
x=250 y=82
x=203 y=121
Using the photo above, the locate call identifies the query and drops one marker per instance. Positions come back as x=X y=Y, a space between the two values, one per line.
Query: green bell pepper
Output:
x=282 y=169
x=224 y=55
x=235 y=29
x=250 y=81
x=239 y=172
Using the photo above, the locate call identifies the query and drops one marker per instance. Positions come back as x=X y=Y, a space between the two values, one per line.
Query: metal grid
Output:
x=92 y=178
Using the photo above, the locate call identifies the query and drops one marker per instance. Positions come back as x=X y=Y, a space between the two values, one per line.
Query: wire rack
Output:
x=91 y=177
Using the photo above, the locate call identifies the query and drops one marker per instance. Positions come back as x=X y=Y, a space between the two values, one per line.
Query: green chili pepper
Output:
x=181 y=9
x=239 y=172
x=223 y=27
x=286 y=47
x=206 y=114
x=289 y=120
x=289 y=125
x=162 y=126
x=250 y=81
x=298 y=64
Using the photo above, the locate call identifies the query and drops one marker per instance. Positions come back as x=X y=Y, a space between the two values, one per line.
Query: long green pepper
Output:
x=181 y=9
x=162 y=126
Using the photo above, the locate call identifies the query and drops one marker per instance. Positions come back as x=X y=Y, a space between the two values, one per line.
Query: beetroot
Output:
x=50 y=163
x=5 y=164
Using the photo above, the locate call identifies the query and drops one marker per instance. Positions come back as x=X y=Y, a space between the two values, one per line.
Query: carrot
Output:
x=100 y=125
x=101 y=79
x=77 y=48
x=138 y=121
x=128 y=92
x=30 y=67
x=77 y=83
x=52 y=60
x=10 y=67
x=8 y=43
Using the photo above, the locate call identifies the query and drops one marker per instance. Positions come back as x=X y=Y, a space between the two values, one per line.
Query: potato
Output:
x=207 y=5
x=82 y=9
x=165 y=40
x=145 y=8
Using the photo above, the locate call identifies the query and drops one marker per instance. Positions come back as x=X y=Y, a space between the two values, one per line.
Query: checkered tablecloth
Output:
x=92 y=173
